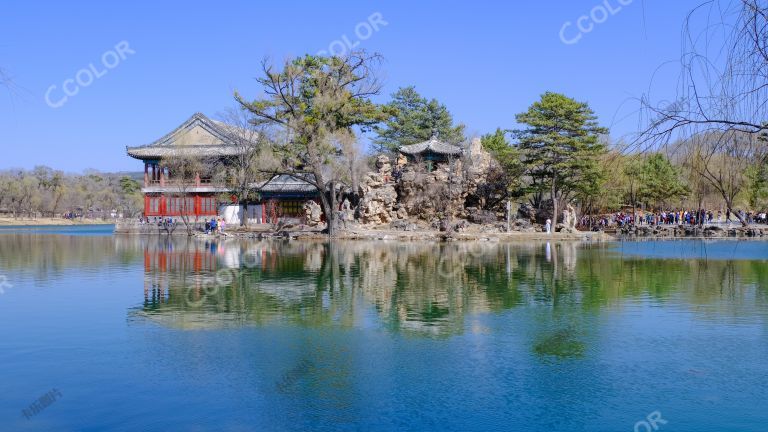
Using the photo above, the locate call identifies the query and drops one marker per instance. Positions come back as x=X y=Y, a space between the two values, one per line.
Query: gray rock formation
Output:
x=378 y=195
x=527 y=212
x=312 y=213
x=427 y=195
x=714 y=231
x=415 y=192
x=482 y=216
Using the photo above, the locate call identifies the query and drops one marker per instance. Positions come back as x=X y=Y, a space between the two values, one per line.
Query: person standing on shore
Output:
x=548 y=226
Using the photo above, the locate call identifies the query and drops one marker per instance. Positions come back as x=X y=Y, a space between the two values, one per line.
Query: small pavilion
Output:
x=432 y=151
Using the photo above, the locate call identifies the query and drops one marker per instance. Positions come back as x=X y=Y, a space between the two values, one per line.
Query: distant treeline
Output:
x=46 y=192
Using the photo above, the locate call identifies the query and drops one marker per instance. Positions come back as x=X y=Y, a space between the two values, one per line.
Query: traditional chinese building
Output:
x=288 y=193
x=280 y=198
x=431 y=152
x=206 y=195
x=166 y=195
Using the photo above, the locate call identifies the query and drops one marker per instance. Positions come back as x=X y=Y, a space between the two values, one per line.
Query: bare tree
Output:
x=310 y=100
x=185 y=170
x=723 y=160
x=721 y=106
x=723 y=84
x=251 y=160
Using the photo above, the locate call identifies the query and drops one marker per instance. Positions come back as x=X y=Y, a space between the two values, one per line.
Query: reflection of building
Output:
x=182 y=260
x=167 y=267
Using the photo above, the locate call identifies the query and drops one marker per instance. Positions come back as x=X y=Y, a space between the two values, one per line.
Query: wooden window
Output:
x=154 y=205
x=189 y=205
x=208 y=205
x=291 y=208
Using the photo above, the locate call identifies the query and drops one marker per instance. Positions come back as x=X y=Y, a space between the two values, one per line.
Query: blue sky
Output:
x=486 y=60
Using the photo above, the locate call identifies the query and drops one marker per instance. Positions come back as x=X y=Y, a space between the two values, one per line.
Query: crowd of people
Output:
x=215 y=226
x=673 y=217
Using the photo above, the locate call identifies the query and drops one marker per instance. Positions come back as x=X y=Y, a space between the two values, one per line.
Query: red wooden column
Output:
x=263 y=213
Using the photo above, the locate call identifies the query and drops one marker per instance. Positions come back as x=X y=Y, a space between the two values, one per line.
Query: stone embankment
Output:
x=705 y=231
x=413 y=232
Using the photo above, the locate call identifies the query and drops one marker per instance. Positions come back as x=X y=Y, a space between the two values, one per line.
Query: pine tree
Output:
x=561 y=147
x=413 y=119
x=660 y=180
x=509 y=160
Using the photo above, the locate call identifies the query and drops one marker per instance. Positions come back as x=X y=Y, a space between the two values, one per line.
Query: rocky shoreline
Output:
x=461 y=230
x=473 y=232
x=412 y=232
x=688 y=231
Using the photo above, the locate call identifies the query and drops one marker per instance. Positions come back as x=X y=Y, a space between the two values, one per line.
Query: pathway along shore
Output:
x=46 y=221
x=362 y=233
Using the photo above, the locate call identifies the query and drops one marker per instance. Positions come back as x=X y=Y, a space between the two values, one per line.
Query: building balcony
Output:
x=184 y=188
x=177 y=184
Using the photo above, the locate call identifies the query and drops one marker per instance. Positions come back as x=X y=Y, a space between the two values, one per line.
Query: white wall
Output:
x=234 y=213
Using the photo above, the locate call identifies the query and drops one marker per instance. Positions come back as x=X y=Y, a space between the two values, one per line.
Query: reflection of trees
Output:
x=427 y=288
x=47 y=256
x=562 y=343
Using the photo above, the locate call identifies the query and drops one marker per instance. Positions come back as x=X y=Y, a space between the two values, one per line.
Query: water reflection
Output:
x=563 y=343
x=377 y=335
x=428 y=289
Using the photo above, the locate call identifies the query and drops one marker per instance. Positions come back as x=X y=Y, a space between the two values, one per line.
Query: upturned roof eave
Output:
x=433 y=146
x=217 y=129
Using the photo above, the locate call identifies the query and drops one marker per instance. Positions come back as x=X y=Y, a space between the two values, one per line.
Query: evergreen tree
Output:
x=660 y=180
x=413 y=119
x=561 y=147
x=510 y=163
x=757 y=185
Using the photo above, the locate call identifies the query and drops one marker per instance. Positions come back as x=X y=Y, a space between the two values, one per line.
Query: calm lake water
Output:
x=146 y=334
